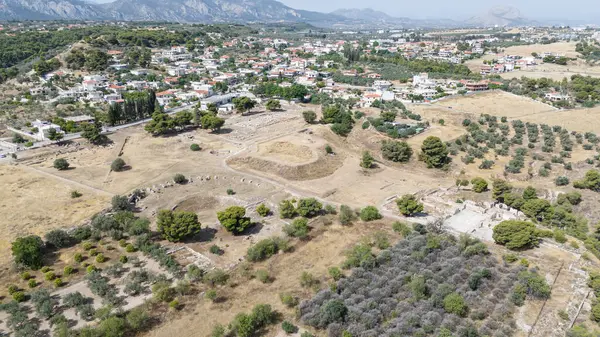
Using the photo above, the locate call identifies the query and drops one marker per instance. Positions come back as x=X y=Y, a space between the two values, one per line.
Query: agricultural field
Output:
x=272 y=214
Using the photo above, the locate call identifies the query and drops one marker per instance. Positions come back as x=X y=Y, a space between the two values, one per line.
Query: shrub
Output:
x=359 y=256
x=19 y=296
x=117 y=165
x=195 y=147
x=335 y=273
x=287 y=209
x=307 y=280
x=12 y=289
x=298 y=228
x=309 y=116
x=61 y=164
x=58 y=282
x=561 y=181
x=234 y=220
x=25 y=276
x=32 y=283
x=347 y=215
x=82 y=233
x=408 y=205
x=100 y=258
x=559 y=236
x=263 y=210
x=263 y=276
x=454 y=303
x=370 y=213
x=90 y=269
x=123 y=259
x=396 y=151
x=309 y=208
x=119 y=203
x=214 y=249
x=174 y=304
x=59 y=238
x=515 y=234
x=230 y=191
x=177 y=225
x=211 y=295
x=180 y=179
x=367 y=160
x=264 y=249
x=68 y=270
x=401 y=227
x=288 y=300
x=288 y=327
x=49 y=276
x=75 y=194
x=328 y=149
x=479 y=185
x=130 y=248
x=137 y=319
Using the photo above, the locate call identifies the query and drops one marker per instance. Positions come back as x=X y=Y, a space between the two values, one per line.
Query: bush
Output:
x=562 y=181
x=370 y=213
x=307 y=280
x=82 y=233
x=347 y=215
x=61 y=164
x=367 y=160
x=68 y=270
x=479 y=185
x=288 y=300
x=335 y=273
x=75 y=194
x=287 y=209
x=230 y=191
x=455 y=304
x=408 y=205
x=328 y=149
x=25 y=276
x=119 y=203
x=195 y=147
x=19 y=296
x=180 y=179
x=234 y=220
x=264 y=249
x=58 y=238
x=515 y=234
x=288 y=327
x=401 y=227
x=297 y=229
x=214 y=249
x=58 y=282
x=211 y=295
x=263 y=276
x=28 y=251
x=263 y=210
x=32 y=283
x=309 y=116
x=137 y=319
x=309 y=208
x=100 y=258
x=118 y=165
x=177 y=225
x=396 y=151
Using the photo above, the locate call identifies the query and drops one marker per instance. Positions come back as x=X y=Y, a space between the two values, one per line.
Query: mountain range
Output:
x=242 y=11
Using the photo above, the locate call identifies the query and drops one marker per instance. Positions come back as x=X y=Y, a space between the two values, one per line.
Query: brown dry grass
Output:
x=32 y=203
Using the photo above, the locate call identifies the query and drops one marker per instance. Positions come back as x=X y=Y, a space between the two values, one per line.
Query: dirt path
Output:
x=69 y=181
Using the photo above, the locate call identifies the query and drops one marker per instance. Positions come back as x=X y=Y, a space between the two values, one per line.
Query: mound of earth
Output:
x=286 y=151
x=322 y=167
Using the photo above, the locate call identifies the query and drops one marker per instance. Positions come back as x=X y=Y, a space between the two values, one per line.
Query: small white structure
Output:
x=43 y=129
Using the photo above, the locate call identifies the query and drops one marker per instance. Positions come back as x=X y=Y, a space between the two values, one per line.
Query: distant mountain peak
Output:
x=500 y=16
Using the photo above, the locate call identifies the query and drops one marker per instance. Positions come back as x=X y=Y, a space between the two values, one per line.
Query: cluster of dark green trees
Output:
x=89 y=59
x=271 y=89
x=137 y=106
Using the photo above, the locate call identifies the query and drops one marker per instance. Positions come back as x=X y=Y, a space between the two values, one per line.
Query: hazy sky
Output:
x=546 y=9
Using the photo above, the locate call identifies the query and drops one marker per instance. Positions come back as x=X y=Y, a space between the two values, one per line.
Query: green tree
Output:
x=309 y=207
x=434 y=152
x=93 y=132
x=54 y=135
x=287 y=209
x=263 y=210
x=479 y=185
x=61 y=164
x=591 y=181
x=367 y=160
x=243 y=104
x=212 y=122
x=409 y=205
x=309 y=116
x=396 y=151
x=28 y=251
x=499 y=189
x=370 y=213
x=177 y=225
x=515 y=234
x=117 y=165
x=234 y=219
x=538 y=209
x=347 y=215
x=297 y=229
x=273 y=104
